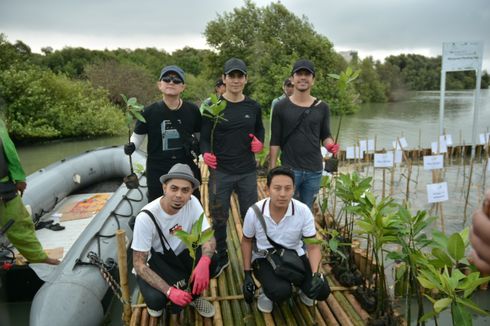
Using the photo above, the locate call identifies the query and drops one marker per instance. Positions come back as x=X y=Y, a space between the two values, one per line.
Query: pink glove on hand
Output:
x=179 y=297
x=210 y=160
x=200 y=275
x=333 y=148
x=256 y=145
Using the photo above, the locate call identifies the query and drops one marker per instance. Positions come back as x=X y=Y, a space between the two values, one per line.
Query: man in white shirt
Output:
x=165 y=275
x=287 y=221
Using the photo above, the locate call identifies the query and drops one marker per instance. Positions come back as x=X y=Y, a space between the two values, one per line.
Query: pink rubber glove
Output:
x=333 y=148
x=179 y=297
x=210 y=160
x=200 y=275
x=256 y=144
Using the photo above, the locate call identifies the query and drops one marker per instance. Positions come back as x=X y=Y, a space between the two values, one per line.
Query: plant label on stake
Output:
x=437 y=192
x=484 y=138
x=433 y=162
x=398 y=156
x=353 y=152
x=383 y=160
x=446 y=138
x=402 y=141
x=442 y=147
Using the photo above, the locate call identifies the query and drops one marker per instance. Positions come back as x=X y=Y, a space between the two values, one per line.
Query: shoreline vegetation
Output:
x=74 y=92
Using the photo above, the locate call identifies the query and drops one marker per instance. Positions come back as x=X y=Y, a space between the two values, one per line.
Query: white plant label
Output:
x=442 y=147
x=384 y=160
x=433 y=162
x=353 y=152
x=484 y=138
x=447 y=138
x=398 y=156
x=437 y=192
x=363 y=145
x=370 y=145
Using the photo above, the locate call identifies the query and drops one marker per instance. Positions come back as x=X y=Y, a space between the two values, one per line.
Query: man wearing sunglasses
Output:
x=236 y=138
x=171 y=124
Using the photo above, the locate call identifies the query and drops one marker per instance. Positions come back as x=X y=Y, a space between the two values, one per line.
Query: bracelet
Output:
x=168 y=291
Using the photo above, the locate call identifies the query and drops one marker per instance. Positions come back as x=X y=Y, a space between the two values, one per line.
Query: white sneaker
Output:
x=154 y=313
x=306 y=300
x=203 y=307
x=264 y=303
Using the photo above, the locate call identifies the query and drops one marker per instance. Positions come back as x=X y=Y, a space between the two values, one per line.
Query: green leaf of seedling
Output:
x=185 y=238
x=334 y=76
x=442 y=304
x=138 y=116
x=455 y=246
x=439 y=238
x=427 y=316
x=125 y=99
x=465 y=235
x=426 y=283
x=442 y=256
x=312 y=241
x=461 y=316
x=197 y=227
x=205 y=236
x=132 y=101
x=471 y=305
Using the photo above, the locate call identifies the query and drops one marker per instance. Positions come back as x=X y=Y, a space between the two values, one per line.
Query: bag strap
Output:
x=160 y=233
x=300 y=120
x=260 y=217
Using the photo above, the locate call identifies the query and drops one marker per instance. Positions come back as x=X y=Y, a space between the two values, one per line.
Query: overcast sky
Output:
x=372 y=27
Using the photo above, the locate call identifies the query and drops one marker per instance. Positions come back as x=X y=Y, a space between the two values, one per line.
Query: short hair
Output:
x=279 y=170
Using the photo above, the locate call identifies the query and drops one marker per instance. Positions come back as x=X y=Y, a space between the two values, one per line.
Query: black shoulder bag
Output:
x=190 y=142
x=300 y=120
x=8 y=190
x=285 y=262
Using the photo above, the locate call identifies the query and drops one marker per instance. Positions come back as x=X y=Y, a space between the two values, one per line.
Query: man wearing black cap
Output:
x=287 y=90
x=171 y=125
x=299 y=124
x=164 y=276
x=236 y=139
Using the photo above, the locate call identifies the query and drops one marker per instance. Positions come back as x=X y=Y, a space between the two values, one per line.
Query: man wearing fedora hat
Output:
x=164 y=276
x=172 y=125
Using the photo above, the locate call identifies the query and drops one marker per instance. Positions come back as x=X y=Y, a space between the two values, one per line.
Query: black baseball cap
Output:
x=219 y=82
x=287 y=82
x=235 y=64
x=303 y=64
x=175 y=69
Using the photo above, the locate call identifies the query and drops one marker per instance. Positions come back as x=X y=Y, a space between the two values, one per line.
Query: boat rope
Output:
x=105 y=271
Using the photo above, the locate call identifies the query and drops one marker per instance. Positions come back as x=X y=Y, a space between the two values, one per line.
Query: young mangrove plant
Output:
x=194 y=240
x=132 y=112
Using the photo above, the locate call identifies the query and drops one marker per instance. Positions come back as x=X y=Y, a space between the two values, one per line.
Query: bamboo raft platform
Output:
x=340 y=308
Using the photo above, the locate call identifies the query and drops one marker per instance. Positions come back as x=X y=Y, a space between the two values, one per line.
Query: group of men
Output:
x=228 y=147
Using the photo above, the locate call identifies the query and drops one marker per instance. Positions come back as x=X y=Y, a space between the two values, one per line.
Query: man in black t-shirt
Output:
x=299 y=124
x=166 y=145
x=232 y=163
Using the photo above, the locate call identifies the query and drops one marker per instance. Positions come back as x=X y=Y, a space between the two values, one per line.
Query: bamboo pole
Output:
x=145 y=317
x=327 y=314
x=468 y=192
x=122 y=261
x=136 y=317
x=339 y=313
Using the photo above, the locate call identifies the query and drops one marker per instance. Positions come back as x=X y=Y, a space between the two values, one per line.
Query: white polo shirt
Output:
x=296 y=224
x=145 y=235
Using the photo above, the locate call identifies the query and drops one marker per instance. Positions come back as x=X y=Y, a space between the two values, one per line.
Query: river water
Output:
x=417 y=115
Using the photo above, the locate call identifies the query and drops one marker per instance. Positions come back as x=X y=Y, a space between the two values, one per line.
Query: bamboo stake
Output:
x=304 y=311
x=468 y=191
x=327 y=314
x=339 y=313
x=145 y=317
x=319 y=319
x=122 y=261
x=136 y=317
x=384 y=184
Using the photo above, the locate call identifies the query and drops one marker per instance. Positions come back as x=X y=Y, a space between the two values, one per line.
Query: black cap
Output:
x=287 y=82
x=175 y=69
x=235 y=64
x=219 y=82
x=303 y=64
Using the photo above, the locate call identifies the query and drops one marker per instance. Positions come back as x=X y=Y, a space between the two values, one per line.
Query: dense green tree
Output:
x=151 y=59
x=369 y=84
x=269 y=40
x=190 y=59
x=123 y=78
x=39 y=104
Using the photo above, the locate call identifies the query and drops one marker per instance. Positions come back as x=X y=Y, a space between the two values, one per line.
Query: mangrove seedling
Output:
x=214 y=111
x=132 y=111
x=194 y=239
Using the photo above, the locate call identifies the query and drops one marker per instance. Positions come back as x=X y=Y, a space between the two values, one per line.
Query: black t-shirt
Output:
x=231 y=141
x=164 y=141
x=302 y=150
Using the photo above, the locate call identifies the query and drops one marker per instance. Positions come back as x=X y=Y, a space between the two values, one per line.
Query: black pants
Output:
x=278 y=289
x=154 y=170
x=173 y=270
x=221 y=186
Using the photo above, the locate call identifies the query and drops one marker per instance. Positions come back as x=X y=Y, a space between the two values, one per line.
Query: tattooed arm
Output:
x=146 y=273
x=209 y=247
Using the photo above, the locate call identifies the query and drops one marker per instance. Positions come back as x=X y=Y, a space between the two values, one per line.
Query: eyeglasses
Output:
x=174 y=80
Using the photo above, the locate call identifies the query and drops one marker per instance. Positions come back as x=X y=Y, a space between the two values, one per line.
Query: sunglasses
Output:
x=174 y=80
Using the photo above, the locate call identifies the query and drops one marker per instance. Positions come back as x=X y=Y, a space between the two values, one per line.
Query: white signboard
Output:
x=447 y=138
x=459 y=56
x=433 y=162
x=383 y=160
x=437 y=192
x=484 y=138
x=353 y=152
x=442 y=147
